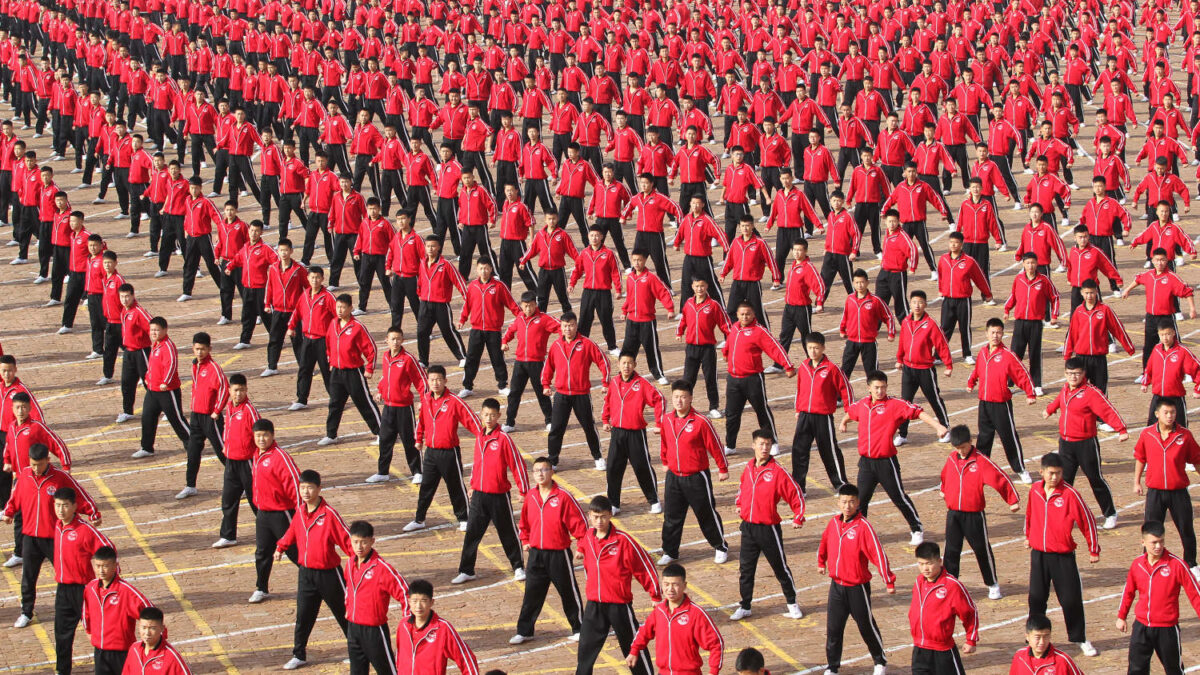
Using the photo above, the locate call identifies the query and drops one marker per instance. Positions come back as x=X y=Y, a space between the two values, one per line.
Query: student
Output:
x=626 y=397
x=1156 y=577
x=436 y=281
x=255 y=259
x=163 y=387
x=351 y=352
x=920 y=342
x=1034 y=304
x=819 y=385
x=134 y=336
x=437 y=438
x=898 y=258
x=963 y=478
x=1040 y=654
x=993 y=376
x=426 y=641
x=287 y=283
x=1163 y=303
x=111 y=607
x=750 y=662
x=598 y=267
x=937 y=599
x=879 y=416
x=371 y=582
x=746 y=381
x=370 y=251
x=804 y=296
x=1093 y=333
x=763 y=485
x=842 y=241
x=695 y=236
x=862 y=317
x=1163 y=375
x=316 y=532
x=485 y=303
x=238 y=441
x=314 y=314
x=552 y=247
x=612 y=560
x=210 y=393
x=531 y=329
x=153 y=652
x=1054 y=509
x=75 y=542
x=276 y=495
x=680 y=629
x=550 y=519
x=848 y=544
x=643 y=291
x=957 y=273
x=400 y=375
x=495 y=457
x=1163 y=452
x=568 y=365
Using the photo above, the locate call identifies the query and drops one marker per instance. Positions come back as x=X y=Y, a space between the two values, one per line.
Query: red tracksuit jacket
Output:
x=549 y=524
x=276 y=481
x=350 y=346
x=1089 y=263
x=210 y=387
x=1166 y=459
x=749 y=259
x=803 y=284
x=863 y=316
x=612 y=563
x=33 y=497
x=569 y=364
x=1043 y=240
x=110 y=613
x=1157 y=588
x=1166 y=368
x=698 y=323
x=878 y=422
x=440 y=417
x=687 y=442
x=641 y=292
x=678 y=636
x=1080 y=408
x=425 y=651
x=496 y=456
x=963 y=479
x=993 y=371
x=762 y=488
x=1049 y=520
x=599 y=269
x=238 y=438
x=162 y=372
x=1089 y=330
x=1161 y=289
x=1029 y=297
x=899 y=252
x=400 y=375
x=1053 y=662
x=744 y=349
x=957 y=275
x=626 y=402
x=317 y=535
x=437 y=280
x=532 y=334
x=21 y=437
x=919 y=339
x=369 y=586
x=162 y=660
x=846 y=549
x=819 y=387
x=314 y=313
x=552 y=248
x=74 y=544
x=934 y=606
x=484 y=305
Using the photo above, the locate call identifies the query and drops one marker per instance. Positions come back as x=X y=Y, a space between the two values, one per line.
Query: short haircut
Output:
x=763 y=433
x=1037 y=623
x=1052 y=460
x=918 y=293
x=361 y=528
x=600 y=504
x=22 y=397
x=683 y=385
x=105 y=554
x=543 y=460
x=749 y=659
x=861 y=274
x=311 y=477
x=568 y=317
x=491 y=404
x=674 y=570
x=238 y=379
x=264 y=425
x=848 y=490
x=420 y=587
x=1154 y=528
x=160 y=321
x=928 y=550
x=66 y=494
x=1074 y=363
x=815 y=338
x=959 y=434
x=38 y=451
x=994 y=323
x=151 y=614
x=436 y=369
x=876 y=376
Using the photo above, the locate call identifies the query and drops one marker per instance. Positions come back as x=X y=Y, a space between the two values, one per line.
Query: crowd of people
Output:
x=467 y=120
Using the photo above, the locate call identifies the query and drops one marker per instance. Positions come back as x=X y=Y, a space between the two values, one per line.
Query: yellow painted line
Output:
x=161 y=567
x=43 y=637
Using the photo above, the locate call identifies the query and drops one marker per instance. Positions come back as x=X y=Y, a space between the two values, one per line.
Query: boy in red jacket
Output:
x=848 y=544
x=764 y=484
x=426 y=641
x=626 y=397
x=162 y=389
x=111 y=607
x=400 y=375
x=486 y=303
x=568 y=366
x=680 y=629
x=351 y=352
x=75 y=541
x=153 y=653
x=1163 y=452
x=1156 y=577
x=276 y=494
x=371 y=583
x=437 y=436
x=643 y=291
x=862 y=317
x=937 y=599
x=1040 y=655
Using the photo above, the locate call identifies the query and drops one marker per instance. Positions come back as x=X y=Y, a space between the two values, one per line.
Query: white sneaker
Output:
x=970 y=360
x=1112 y=348
x=933 y=276
x=879 y=670
x=519 y=574
x=1017 y=206
x=104 y=380
x=548 y=426
x=223 y=321
x=1038 y=391
x=720 y=557
x=241 y=345
x=945 y=438
x=325 y=440
x=293 y=664
x=729 y=451
x=142 y=454
x=462 y=526
x=663 y=380
x=774 y=449
x=296 y=405
x=573 y=637
x=994 y=592
x=990 y=301
x=464 y=393
x=378 y=478
x=257 y=597
x=65 y=329
x=22 y=621
x=1196 y=572
x=92 y=356
x=124 y=417
x=1105 y=427
x=518 y=639
x=462 y=578
x=656 y=507
x=268 y=372
x=507 y=428
x=224 y=543
x=715 y=414
x=160 y=274
x=416 y=479
x=899 y=441
x=212 y=195
x=504 y=392
x=771 y=370
x=793 y=612
x=19 y=261
x=1088 y=649
x=1110 y=522
x=41 y=280
x=358 y=312
x=1026 y=478
x=462 y=363
x=615 y=351
x=917 y=539
x=1073 y=187
x=413 y=526
x=1060 y=269
x=601 y=465
x=186 y=492
x=665 y=560
x=739 y=614
x=183 y=298
x=14 y=560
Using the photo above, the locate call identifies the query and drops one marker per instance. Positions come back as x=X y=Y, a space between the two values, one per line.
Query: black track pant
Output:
x=1153 y=321
x=885 y=471
x=277 y=323
x=432 y=314
x=527 y=372
x=370 y=647
x=74 y=297
x=1061 y=571
x=703 y=359
x=350 y=383
x=853 y=350
x=920 y=231
x=237 y=481
x=396 y=422
x=835 y=265
x=766 y=540
x=812 y=427
x=169 y=403
x=956 y=313
x=195 y=249
x=1095 y=367
x=203 y=427
x=477 y=341
x=1179 y=503
x=639 y=334
x=598 y=303
x=495 y=509
x=511 y=252
x=560 y=414
x=997 y=418
x=476 y=244
x=312 y=355
x=925 y=379
x=269 y=528
x=972 y=526
x=656 y=244
x=437 y=465
x=795 y=318
x=892 y=286
x=34 y=551
x=1146 y=642
x=546 y=566
x=252 y=311
x=372 y=265
x=845 y=602
x=936 y=661
x=68 y=612
x=403 y=290
x=133 y=370
x=598 y=619
x=1085 y=455
x=109 y=661
x=695 y=492
x=555 y=280
x=738 y=392
x=312 y=588
x=699 y=267
x=630 y=446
